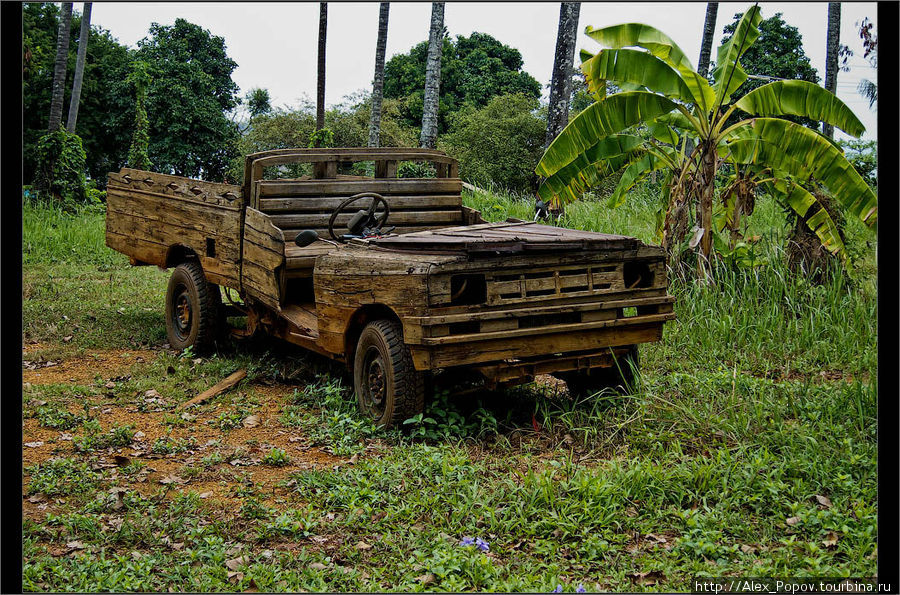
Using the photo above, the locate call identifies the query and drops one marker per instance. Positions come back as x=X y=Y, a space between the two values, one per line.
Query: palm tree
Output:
x=378 y=81
x=709 y=31
x=676 y=104
x=561 y=81
x=320 y=82
x=832 y=48
x=83 y=36
x=428 y=139
x=59 y=67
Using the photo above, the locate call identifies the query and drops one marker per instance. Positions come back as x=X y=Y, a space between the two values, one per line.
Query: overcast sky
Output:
x=275 y=44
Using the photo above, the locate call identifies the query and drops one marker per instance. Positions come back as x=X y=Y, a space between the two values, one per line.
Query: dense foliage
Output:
x=499 y=143
x=106 y=110
x=188 y=97
x=474 y=69
x=61 y=160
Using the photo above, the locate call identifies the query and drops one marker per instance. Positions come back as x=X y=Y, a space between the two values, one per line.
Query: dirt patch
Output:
x=106 y=363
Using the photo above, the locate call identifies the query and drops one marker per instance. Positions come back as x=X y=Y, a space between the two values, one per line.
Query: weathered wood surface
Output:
x=262 y=267
x=150 y=214
x=327 y=204
x=319 y=188
x=507 y=237
x=303 y=317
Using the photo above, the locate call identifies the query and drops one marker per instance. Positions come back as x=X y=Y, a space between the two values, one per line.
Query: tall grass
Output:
x=51 y=234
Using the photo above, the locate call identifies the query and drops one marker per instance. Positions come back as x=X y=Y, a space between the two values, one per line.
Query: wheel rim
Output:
x=374 y=383
x=182 y=314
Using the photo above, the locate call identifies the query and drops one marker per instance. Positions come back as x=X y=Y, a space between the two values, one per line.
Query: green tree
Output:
x=499 y=143
x=258 y=102
x=189 y=96
x=677 y=105
x=474 y=69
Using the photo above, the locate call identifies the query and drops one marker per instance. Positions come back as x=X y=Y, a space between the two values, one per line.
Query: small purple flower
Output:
x=482 y=544
x=558 y=589
x=467 y=541
x=580 y=588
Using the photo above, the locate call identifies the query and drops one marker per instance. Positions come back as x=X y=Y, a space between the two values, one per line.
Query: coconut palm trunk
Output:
x=831 y=55
x=83 y=36
x=709 y=31
x=320 y=79
x=378 y=81
x=428 y=138
x=561 y=81
x=59 y=67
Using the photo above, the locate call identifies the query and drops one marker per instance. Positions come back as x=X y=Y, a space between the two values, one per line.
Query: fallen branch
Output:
x=216 y=390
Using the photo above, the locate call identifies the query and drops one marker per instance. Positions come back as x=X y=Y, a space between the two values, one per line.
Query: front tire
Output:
x=193 y=307
x=388 y=388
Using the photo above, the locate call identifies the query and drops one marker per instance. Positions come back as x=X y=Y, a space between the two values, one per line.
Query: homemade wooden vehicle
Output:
x=414 y=283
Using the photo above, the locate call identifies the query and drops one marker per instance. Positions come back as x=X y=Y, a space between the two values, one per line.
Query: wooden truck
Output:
x=393 y=277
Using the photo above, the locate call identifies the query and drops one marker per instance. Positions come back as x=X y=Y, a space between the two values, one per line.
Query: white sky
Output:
x=275 y=44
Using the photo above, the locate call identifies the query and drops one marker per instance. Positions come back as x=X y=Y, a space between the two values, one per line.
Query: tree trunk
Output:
x=378 y=82
x=59 y=67
x=320 y=82
x=83 y=37
x=561 y=81
x=707 y=192
x=709 y=31
x=428 y=139
x=831 y=55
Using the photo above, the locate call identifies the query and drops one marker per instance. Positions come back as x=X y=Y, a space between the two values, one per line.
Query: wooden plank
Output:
x=575 y=327
x=302 y=316
x=497 y=350
x=327 y=204
x=314 y=188
x=290 y=234
x=216 y=390
x=313 y=221
x=263 y=259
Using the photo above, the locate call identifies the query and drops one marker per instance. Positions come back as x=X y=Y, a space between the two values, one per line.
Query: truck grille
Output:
x=504 y=288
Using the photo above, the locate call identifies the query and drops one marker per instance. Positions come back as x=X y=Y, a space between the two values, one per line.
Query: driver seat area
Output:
x=295 y=205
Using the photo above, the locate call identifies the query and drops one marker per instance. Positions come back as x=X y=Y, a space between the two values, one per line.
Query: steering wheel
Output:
x=364 y=222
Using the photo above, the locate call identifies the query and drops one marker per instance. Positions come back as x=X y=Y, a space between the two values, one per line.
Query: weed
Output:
x=276 y=458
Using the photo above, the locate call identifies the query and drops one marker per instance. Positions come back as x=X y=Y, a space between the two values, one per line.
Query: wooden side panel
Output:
x=149 y=214
x=262 y=268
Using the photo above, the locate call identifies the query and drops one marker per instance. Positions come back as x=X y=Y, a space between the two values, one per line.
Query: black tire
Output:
x=620 y=377
x=388 y=387
x=193 y=309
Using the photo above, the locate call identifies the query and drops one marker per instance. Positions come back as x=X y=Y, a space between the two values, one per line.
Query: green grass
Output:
x=760 y=401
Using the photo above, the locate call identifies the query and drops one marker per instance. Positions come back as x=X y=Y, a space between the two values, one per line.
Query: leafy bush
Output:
x=413 y=169
x=500 y=143
x=61 y=165
x=863 y=156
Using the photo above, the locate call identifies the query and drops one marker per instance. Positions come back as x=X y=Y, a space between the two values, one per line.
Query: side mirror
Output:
x=305 y=238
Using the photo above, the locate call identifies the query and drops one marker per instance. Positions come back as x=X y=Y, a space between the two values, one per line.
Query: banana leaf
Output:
x=635 y=172
x=599 y=120
x=728 y=70
x=801 y=98
x=783 y=145
x=660 y=45
x=637 y=68
x=820 y=222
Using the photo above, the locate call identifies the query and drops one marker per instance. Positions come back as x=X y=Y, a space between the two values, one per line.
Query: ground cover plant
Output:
x=747 y=448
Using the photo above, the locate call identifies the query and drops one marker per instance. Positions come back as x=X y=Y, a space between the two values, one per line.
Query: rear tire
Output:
x=388 y=388
x=193 y=309
x=620 y=377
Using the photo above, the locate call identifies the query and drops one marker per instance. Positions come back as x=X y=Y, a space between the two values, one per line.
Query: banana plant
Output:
x=689 y=135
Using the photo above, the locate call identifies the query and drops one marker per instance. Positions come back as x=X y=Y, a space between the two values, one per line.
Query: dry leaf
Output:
x=34 y=444
x=831 y=539
x=363 y=546
x=251 y=421
x=354 y=458
x=235 y=577
x=646 y=578
x=205 y=495
x=110 y=384
x=824 y=501
x=793 y=520
x=152 y=394
x=655 y=538
x=75 y=545
x=747 y=549
x=236 y=563
x=317 y=566
x=425 y=579
x=172 y=479
x=137 y=555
